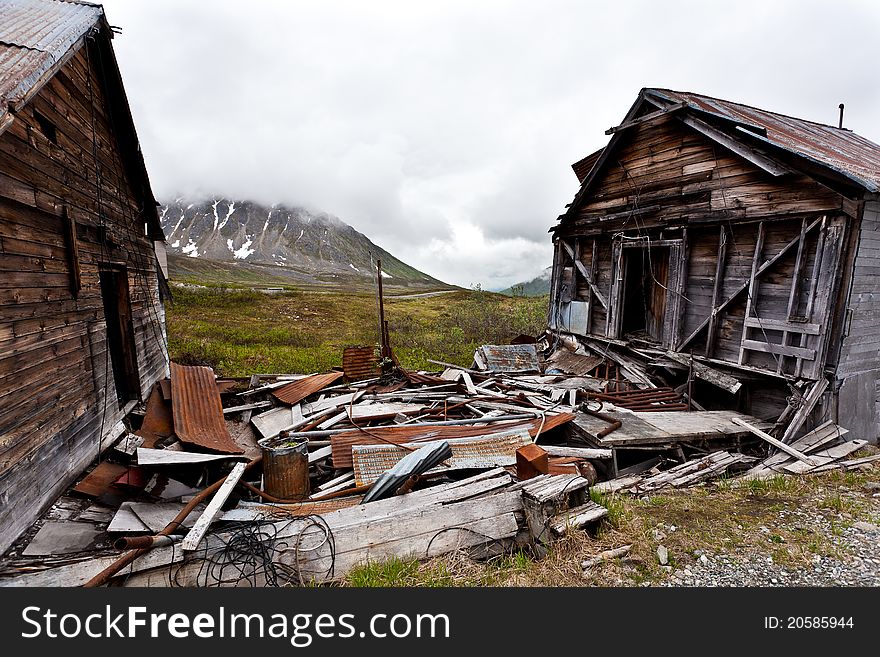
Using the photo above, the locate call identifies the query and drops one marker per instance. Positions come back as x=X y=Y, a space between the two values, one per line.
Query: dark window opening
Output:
x=47 y=127
x=646 y=274
x=120 y=333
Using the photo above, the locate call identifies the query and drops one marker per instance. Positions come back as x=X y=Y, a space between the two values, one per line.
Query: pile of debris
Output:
x=291 y=479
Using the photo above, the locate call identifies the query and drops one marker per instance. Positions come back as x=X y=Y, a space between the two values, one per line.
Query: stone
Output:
x=662 y=555
x=866 y=527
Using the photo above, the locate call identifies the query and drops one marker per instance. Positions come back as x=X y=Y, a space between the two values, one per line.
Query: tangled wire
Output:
x=262 y=552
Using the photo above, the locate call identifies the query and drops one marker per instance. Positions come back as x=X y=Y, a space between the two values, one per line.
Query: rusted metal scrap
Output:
x=198 y=411
x=298 y=390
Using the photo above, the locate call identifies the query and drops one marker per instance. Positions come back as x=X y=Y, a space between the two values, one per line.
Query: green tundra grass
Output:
x=243 y=332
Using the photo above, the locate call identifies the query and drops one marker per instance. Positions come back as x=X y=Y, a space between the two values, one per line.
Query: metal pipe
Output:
x=614 y=423
x=841 y=115
x=104 y=576
x=139 y=542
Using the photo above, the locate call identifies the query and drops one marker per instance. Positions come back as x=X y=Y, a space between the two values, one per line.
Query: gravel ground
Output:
x=856 y=560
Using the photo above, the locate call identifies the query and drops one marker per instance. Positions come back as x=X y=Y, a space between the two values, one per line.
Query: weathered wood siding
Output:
x=859 y=363
x=56 y=385
x=665 y=179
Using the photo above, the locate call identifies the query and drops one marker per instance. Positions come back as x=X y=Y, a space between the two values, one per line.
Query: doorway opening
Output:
x=120 y=333
x=646 y=282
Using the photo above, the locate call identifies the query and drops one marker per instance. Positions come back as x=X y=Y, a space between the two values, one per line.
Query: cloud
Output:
x=445 y=131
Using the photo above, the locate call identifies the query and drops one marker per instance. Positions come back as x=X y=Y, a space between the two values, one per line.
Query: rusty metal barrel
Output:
x=285 y=467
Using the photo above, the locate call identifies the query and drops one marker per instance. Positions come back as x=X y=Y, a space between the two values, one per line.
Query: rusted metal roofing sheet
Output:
x=567 y=361
x=509 y=357
x=835 y=148
x=34 y=37
x=298 y=390
x=360 y=363
x=198 y=411
x=400 y=434
x=496 y=450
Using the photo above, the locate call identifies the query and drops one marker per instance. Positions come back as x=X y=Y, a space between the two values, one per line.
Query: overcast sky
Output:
x=445 y=131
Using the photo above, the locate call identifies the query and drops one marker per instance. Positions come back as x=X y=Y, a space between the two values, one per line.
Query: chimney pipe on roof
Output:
x=841 y=115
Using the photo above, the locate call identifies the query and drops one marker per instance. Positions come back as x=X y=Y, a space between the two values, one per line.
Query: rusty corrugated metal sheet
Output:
x=400 y=434
x=360 y=363
x=838 y=149
x=34 y=36
x=198 y=411
x=510 y=357
x=569 y=362
x=491 y=451
x=298 y=390
x=419 y=379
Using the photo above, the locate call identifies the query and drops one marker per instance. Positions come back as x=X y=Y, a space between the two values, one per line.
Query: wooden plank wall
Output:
x=860 y=351
x=54 y=375
x=665 y=177
x=665 y=172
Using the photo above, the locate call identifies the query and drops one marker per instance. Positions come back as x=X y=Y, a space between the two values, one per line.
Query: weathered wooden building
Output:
x=82 y=327
x=743 y=239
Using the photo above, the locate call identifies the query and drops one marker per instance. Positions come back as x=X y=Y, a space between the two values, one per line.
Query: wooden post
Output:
x=752 y=289
x=383 y=325
x=593 y=280
x=811 y=297
x=716 y=291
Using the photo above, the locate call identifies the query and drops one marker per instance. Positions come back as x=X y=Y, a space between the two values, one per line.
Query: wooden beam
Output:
x=742 y=288
x=753 y=288
x=810 y=401
x=779 y=349
x=716 y=291
x=579 y=452
x=653 y=116
x=706 y=373
x=760 y=160
x=585 y=273
x=781 y=325
x=72 y=252
x=814 y=284
x=593 y=267
x=196 y=534
x=791 y=451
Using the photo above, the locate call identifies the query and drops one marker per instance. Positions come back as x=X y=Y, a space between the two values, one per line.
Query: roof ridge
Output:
x=753 y=107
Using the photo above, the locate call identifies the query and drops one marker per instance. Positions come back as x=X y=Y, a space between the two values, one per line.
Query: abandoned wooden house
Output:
x=711 y=232
x=80 y=244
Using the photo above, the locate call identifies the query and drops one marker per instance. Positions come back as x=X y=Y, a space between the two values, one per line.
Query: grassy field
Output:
x=243 y=332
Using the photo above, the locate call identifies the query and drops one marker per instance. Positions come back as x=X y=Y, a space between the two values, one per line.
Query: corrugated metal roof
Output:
x=34 y=36
x=198 y=411
x=839 y=149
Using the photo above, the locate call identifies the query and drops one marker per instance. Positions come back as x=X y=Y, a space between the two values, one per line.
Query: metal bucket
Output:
x=285 y=467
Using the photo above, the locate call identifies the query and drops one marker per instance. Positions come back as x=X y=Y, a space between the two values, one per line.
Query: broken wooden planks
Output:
x=776 y=443
x=195 y=535
x=659 y=428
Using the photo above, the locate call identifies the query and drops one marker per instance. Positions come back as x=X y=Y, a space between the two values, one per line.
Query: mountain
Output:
x=242 y=241
x=538 y=286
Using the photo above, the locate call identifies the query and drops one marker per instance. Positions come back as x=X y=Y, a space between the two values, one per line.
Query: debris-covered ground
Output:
x=543 y=463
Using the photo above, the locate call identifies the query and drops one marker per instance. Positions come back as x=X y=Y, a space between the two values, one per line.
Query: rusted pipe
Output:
x=104 y=576
x=140 y=542
x=614 y=423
